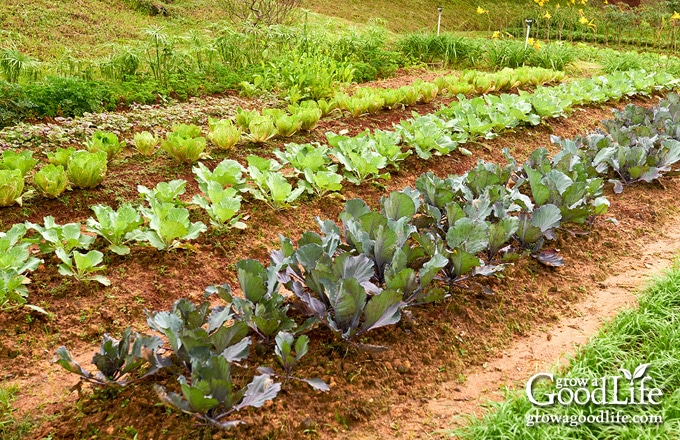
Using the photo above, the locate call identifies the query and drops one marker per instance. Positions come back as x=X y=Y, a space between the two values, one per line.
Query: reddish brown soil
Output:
x=435 y=344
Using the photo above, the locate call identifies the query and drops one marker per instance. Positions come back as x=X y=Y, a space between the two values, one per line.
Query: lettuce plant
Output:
x=226 y=173
x=287 y=125
x=23 y=161
x=429 y=135
x=261 y=129
x=119 y=362
x=309 y=118
x=87 y=170
x=169 y=226
x=116 y=226
x=184 y=143
x=61 y=156
x=146 y=143
x=51 y=180
x=105 y=141
x=244 y=117
x=224 y=134
x=11 y=187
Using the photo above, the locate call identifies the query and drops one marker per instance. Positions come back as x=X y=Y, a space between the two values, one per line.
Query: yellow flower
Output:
x=481 y=10
x=496 y=35
x=583 y=20
x=557 y=6
x=537 y=45
x=530 y=41
x=583 y=2
x=606 y=2
x=675 y=16
x=547 y=15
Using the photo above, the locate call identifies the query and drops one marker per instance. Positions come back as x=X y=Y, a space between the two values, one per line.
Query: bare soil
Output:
x=370 y=394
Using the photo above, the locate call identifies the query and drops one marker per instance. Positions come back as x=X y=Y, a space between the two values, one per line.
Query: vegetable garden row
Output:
x=444 y=243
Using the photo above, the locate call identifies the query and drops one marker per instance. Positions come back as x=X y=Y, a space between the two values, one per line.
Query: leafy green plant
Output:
x=15 y=262
x=303 y=157
x=164 y=192
x=224 y=134
x=184 y=143
x=309 y=118
x=226 y=173
x=428 y=135
x=335 y=289
x=119 y=362
x=262 y=307
x=261 y=129
x=321 y=183
x=359 y=160
x=116 y=226
x=81 y=266
x=270 y=186
x=51 y=180
x=105 y=141
x=196 y=333
x=23 y=161
x=61 y=156
x=287 y=125
x=67 y=237
x=169 y=226
x=11 y=187
x=146 y=143
x=210 y=395
x=244 y=117
x=222 y=205
x=87 y=170
x=288 y=353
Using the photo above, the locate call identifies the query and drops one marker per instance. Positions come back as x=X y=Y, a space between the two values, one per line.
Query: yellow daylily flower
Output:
x=583 y=20
x=481 y=10
x=496 y=35
x=675 y=16
x=547 y=15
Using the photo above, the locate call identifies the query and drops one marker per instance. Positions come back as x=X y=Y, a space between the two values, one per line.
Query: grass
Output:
x=421 y=15
x=648 y=334
x=88 y=28
x=11 y=428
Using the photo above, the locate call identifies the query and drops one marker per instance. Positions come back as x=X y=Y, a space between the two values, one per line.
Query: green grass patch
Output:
x=650 y=335
x=10 y=427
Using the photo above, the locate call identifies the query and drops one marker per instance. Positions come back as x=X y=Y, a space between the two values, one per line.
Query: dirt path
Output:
x=544 y=349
